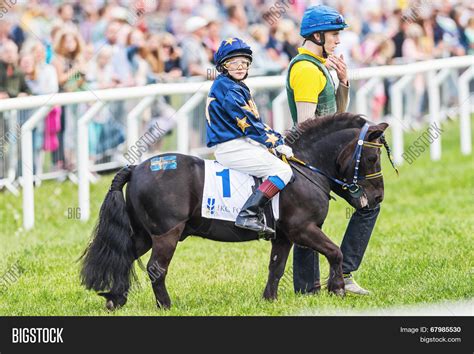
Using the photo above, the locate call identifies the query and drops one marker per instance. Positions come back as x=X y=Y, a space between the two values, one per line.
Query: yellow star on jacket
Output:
x=272 y=138
x=208 y=102
x=242 y=123
x=252 y=107
x=229 y=41
x=233 y=114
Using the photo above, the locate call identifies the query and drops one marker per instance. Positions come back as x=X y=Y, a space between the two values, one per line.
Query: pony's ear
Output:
x=375 y=131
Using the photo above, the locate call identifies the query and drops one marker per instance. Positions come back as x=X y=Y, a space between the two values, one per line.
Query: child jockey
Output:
x=241 y=140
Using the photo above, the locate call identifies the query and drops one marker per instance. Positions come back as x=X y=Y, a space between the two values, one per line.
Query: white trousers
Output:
x=249 y=156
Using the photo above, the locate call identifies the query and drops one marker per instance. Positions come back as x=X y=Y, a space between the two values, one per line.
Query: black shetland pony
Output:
x=164 y=207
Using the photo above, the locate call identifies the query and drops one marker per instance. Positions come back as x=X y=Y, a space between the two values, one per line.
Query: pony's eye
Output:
x=372 y=158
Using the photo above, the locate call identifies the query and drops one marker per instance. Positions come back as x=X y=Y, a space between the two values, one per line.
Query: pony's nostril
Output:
x=378 y=199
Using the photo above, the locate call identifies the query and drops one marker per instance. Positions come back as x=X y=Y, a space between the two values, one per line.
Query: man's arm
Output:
x=191 y=60
x=305 y=110
x=342 y=93
x=342 y=97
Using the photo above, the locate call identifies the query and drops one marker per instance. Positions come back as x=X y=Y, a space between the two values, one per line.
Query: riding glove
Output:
x=285 y=150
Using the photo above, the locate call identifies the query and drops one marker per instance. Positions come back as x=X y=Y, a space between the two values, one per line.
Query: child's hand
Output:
x=285 y=150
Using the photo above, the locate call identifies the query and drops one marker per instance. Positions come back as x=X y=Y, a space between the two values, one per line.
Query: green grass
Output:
x=421 y=251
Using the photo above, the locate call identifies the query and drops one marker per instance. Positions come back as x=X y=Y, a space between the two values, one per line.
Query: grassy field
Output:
x=421 y=251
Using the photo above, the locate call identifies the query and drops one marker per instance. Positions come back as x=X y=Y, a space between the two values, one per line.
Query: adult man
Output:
x=12 y=80
x=311 y=91
x=236 y=24
x=12 y=83
x=195 y=59
x=122 y=70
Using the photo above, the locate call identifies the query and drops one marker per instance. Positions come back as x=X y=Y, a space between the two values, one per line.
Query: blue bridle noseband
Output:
x=354 y=187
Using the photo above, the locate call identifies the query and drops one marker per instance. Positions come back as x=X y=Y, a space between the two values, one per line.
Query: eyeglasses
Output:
x=233 y=65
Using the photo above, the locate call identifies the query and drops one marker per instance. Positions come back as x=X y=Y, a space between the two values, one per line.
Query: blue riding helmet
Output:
x=230 y=48
x=321 y=18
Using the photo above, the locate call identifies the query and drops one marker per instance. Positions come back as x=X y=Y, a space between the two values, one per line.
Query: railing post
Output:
x=279 y=109
x=434 y=105
x=465 y=110
x=361 y=96
x=27 y=166
x=83 y=159
x=397 y=114
x=434 y=81
x=133 y=119
x=10 y=164
x=183 y=121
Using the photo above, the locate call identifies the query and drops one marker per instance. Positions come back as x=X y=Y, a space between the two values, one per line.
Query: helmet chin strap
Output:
x=318 y=42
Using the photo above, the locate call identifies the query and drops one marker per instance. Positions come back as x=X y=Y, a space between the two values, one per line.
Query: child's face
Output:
x=27 y=64
x=237 y=67
x=103 y=58
x=70 y=43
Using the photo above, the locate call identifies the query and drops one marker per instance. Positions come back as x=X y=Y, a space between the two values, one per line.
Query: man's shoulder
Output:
x=190 y=49
x=305 y=66
x=190 y=42
x=306 y=71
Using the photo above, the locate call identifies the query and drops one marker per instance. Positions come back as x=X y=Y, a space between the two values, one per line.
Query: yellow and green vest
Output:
x=327 y=97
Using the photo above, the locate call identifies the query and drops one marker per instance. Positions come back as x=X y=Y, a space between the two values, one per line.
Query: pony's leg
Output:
x=142 y=242
x=313 y=237
x=279 y=255
x=116 y=300
x=162 y=251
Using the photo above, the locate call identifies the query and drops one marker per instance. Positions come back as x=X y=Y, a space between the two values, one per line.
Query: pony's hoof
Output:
x=163 y=306
x=270 y=298
x=339 y=292
x=113 y=302
x=109 y=305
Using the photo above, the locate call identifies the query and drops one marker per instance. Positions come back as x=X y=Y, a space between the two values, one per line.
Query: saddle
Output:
x=226 y=191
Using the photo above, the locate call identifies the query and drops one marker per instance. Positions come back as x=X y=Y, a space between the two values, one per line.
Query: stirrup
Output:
x=267 y=234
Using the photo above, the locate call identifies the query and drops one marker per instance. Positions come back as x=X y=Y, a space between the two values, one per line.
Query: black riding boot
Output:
x=251 y=214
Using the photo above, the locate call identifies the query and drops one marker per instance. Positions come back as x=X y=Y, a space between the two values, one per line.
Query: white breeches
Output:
x=249 y=156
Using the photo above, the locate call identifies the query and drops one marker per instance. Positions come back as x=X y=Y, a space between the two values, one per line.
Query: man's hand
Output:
x=4 y=95
x=285 y=150
x=338 y=64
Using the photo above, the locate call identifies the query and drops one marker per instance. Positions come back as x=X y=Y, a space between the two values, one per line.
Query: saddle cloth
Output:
x=226 y=191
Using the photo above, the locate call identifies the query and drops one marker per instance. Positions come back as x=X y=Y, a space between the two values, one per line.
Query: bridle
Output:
x=354 y=188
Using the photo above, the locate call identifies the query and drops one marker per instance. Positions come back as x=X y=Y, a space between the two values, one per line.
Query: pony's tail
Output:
x=107 y=261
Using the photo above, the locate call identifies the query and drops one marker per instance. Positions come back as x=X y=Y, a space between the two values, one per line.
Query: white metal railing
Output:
x=198 y=90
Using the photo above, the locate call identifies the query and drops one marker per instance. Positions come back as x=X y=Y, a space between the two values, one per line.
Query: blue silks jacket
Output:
x=231 y=113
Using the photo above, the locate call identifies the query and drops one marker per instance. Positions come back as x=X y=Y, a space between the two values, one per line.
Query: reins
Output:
x=354 y=186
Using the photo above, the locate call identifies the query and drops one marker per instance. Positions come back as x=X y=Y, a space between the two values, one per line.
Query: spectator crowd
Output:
x=57 y=46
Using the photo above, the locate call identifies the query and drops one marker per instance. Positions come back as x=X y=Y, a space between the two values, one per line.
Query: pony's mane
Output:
x=319 y=127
